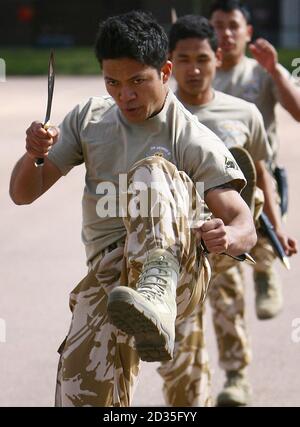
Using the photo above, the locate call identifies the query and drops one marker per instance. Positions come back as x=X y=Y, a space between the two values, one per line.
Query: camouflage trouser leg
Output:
x=227 y=299
x=263 y=254
x=187 y=378
x=167 y=226
x=99 y=363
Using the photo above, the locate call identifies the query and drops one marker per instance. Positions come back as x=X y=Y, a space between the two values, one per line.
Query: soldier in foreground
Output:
x=144 y=156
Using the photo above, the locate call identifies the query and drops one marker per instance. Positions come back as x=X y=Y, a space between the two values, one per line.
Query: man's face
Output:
x=194 y=65
x=233 y=33
x=138 y=89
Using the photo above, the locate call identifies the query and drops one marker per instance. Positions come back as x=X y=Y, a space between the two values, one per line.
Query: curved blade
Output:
x=51 y=78
x=243 y=257
x=268 y=230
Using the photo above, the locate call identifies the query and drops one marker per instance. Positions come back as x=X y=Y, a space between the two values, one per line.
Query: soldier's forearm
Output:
x=289 y=94
x=242 y=235
x=228 y=205
x=26 y=181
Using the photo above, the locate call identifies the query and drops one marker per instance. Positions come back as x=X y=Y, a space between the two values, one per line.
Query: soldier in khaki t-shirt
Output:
x=261 y=80
x=250 y=81
x=236 y=122
x=264 y=82
x=145 y=157
x=195 y=56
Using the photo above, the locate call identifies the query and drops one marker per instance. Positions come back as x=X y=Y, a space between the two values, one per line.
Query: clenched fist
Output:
x=214 y=235
x=39 y=140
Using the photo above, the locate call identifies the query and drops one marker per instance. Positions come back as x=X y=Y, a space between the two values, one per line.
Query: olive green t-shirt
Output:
x=250 y=81
x=235 y=122
x=97 y=134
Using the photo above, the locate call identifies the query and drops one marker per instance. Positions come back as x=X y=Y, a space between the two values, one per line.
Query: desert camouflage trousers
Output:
x=187 y=377
x=226 y=295
x=99 y=364
x=227 y=299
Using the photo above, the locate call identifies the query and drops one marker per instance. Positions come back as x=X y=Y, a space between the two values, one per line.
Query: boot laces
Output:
x=148 y=283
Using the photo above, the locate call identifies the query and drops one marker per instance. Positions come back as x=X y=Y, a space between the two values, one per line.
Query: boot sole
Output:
x=231 y=401
x=152 y=343
x=266 y=315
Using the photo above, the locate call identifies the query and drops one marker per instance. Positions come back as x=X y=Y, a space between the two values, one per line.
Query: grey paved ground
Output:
x=41 y=258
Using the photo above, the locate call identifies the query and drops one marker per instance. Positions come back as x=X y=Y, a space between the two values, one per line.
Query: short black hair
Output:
x=230 y=6
x=192 y=26
x=136 y=35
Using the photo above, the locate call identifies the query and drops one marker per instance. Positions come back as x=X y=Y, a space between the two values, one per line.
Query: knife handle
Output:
x=40 y=161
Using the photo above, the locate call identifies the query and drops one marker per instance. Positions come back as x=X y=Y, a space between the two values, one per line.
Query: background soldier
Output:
x=264 y=82
x=195 y=55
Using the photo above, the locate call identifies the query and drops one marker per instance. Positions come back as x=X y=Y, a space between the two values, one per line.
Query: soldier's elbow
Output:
x=19 y=200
